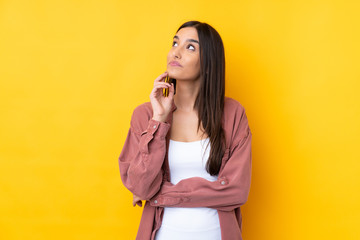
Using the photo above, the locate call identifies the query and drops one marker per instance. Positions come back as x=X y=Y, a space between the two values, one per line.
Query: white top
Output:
x=186 y=160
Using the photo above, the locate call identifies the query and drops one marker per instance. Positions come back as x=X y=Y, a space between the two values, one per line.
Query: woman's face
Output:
x=184 y=51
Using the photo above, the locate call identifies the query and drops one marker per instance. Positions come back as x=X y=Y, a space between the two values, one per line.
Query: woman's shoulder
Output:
x=141 y=116
x=143 y=109
x=232 y=106
x=235 y=120
x=234 y=113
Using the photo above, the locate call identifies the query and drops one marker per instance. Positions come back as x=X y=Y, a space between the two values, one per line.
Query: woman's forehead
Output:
x=187 y=33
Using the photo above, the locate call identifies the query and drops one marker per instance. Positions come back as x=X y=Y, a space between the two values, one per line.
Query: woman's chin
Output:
x=172 y=74
x=175 y=72
x=178 y=75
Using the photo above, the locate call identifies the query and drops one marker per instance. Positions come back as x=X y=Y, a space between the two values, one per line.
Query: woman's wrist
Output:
x=159 y=118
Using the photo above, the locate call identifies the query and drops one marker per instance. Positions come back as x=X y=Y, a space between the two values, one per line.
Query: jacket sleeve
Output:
x=228 y=192
x=143 y=154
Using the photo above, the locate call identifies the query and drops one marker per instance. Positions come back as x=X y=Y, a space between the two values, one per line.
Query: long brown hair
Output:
x=209 y=102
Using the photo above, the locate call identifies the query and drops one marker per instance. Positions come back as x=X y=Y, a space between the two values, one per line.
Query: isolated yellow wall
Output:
x=72 y=72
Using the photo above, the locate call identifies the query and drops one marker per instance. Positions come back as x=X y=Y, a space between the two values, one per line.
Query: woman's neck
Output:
x=186 y=93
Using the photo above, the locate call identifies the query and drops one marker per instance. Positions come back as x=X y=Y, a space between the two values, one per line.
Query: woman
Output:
x=189 y=154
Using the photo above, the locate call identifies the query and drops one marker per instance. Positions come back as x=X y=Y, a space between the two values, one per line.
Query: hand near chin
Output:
x=161 y=105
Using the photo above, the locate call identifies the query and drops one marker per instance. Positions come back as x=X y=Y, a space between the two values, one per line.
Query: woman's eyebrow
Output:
x=189 y=40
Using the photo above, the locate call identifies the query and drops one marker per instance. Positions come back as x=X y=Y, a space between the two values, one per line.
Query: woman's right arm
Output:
x=142 y=157
x=144 y=150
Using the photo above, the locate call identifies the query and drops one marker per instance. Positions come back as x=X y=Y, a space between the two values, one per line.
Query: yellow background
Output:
x=73 y=71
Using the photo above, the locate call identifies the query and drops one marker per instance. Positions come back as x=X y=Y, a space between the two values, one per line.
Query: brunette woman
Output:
x=188 y=154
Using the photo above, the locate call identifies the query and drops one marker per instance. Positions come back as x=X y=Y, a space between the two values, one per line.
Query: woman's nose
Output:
x=177 y=53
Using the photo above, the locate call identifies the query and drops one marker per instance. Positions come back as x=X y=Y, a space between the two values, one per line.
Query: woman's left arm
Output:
x=228 y=192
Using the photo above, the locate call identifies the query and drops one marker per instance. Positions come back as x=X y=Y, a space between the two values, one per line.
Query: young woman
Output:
x=189 y=154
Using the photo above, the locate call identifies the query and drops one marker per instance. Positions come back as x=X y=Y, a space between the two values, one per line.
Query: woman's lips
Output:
x=175 y=63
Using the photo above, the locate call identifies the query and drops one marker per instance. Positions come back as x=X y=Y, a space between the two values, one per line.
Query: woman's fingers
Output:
x=161 y=77
x=161 y=85
x=171 y=90
x=139 y=203
x=136 y=201
x=161 y=104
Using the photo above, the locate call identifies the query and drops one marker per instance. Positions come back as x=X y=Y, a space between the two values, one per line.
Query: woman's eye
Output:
x=192 y=47
x=174 y=43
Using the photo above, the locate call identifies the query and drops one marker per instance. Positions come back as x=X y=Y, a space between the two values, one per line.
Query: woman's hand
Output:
x=137 y=201
x=161 y=105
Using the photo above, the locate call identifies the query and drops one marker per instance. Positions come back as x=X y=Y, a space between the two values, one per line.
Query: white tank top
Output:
x=186 y=160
